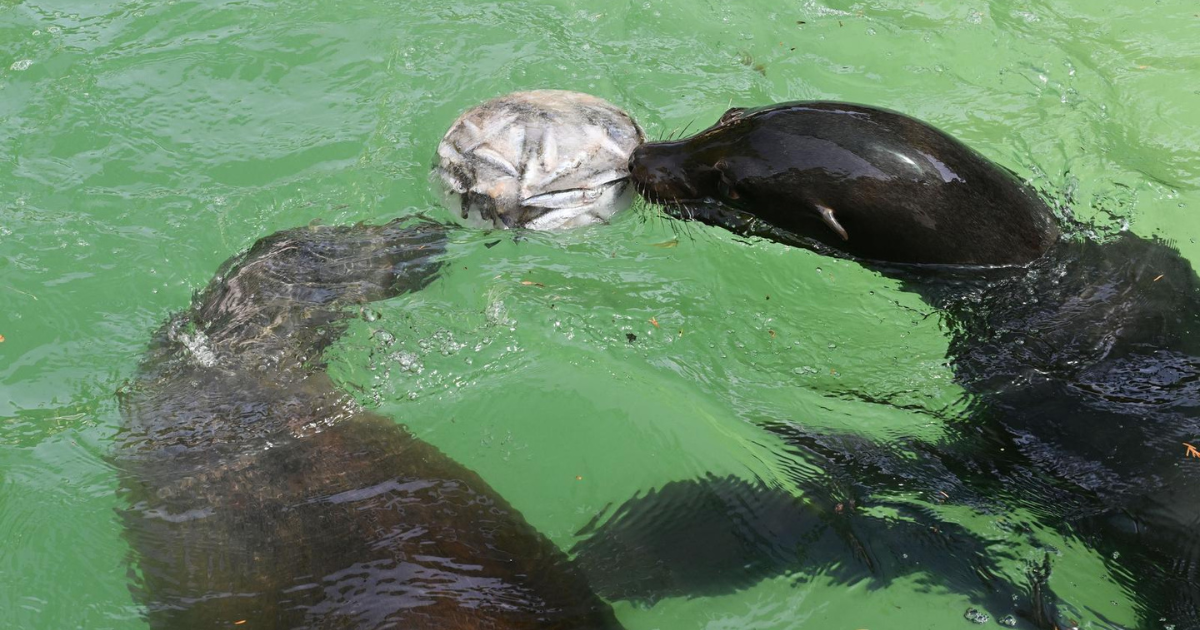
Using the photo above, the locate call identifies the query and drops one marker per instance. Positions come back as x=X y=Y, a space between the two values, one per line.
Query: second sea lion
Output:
x=867 y=182
x=261 y=495
x=1082 y=358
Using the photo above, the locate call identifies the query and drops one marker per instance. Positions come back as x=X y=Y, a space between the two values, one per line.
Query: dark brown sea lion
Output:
x=1083 y=363
x=262 y=497
x=867 y=182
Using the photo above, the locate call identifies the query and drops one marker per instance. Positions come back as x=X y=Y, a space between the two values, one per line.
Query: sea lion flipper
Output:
x=827 y=216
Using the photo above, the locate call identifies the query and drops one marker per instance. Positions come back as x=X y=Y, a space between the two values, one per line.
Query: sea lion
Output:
x=855 y=180
x=543 y=160
x=1083 y=358
x=261 y=495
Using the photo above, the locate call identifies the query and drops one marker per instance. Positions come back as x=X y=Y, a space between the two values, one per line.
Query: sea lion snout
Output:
x=660 y=176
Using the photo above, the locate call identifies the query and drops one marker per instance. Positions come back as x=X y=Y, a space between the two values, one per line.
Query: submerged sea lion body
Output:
x=261 y=495
x=866 y=182
x=1086 y=369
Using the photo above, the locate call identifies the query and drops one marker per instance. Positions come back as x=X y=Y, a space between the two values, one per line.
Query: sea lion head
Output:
x=688 y=171
x=544 y=159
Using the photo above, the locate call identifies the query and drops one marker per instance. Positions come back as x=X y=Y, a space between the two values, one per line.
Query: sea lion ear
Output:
x=731 y=115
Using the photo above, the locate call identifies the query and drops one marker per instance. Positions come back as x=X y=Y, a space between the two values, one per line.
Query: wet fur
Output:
x=260 y=494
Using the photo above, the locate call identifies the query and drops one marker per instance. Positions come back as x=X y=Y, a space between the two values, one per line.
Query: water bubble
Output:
x=1008 y=620
x=408 y=362
x=975 y=616
x=23 y=64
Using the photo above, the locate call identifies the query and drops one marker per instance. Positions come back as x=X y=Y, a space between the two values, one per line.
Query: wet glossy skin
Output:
x=891 y=187
x=1083 y=365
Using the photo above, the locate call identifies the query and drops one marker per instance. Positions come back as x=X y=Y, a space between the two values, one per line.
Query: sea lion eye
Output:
x=725 y=184
x=727 y=189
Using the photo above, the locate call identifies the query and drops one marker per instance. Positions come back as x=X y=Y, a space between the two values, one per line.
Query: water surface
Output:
x=141 y=144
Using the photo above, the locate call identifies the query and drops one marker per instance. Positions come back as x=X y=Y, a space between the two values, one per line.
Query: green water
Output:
x=141 y=144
